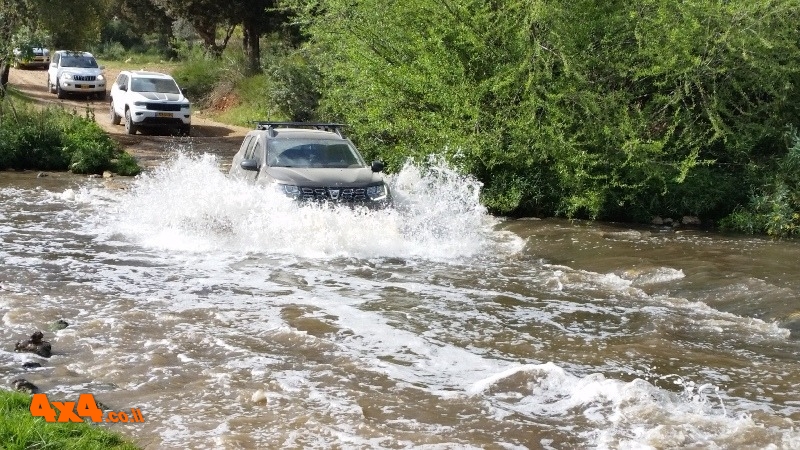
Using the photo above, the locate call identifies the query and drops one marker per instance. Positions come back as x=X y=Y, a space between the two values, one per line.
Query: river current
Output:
x=234 y=318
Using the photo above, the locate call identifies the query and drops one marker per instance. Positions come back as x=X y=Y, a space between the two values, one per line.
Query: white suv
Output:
x=75 y=72
x=149 y=99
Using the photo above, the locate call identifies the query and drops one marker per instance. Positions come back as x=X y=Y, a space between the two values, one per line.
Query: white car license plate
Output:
x=163 y=114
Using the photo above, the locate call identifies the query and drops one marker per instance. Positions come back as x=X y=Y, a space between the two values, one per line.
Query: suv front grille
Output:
x=163 y=106
x=84 y=77
x=334 y=194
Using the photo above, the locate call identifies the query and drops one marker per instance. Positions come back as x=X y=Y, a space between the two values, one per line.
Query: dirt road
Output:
x=150 y=150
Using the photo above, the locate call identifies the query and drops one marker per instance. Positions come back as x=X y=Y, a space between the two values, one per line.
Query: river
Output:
x=234 y=318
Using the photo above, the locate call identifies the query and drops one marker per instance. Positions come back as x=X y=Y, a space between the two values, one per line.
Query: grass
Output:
x=139 y=64
x=20 y=430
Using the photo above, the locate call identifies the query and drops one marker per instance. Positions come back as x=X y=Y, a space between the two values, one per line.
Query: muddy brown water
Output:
x=232 y=318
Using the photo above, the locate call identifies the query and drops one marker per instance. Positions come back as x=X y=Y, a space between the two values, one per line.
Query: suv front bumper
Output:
x=93 y=86
x=156 y=115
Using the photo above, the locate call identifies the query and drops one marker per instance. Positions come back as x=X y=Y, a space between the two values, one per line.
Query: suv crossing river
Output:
x=311 y=162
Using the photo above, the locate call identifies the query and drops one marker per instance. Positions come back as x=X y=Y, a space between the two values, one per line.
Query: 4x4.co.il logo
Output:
x=74 y=412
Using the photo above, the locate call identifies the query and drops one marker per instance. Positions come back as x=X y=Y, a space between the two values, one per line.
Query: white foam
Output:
x=189 y=205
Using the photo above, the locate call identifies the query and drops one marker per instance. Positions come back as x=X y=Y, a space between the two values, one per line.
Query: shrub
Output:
x=31 y=139
x=126 y=165
x=774 y=208
x=622 y=108
x=87 y=148
x=295 y=91
x=54 y=139
x=199 y=75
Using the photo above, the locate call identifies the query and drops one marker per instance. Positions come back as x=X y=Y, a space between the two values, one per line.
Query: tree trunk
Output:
x=252 y=47
x=5 y=68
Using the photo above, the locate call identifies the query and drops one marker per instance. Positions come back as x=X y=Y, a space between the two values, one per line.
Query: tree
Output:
x=208 y=17
x=39 y=17
x=615 y=109
x=14 y=15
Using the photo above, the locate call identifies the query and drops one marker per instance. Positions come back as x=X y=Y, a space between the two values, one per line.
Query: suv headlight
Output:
x=289 y=189
x=100 y=78
x=66 y=76
x=377 y=192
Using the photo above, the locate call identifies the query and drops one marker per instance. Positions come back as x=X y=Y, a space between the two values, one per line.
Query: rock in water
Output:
x=35 y=344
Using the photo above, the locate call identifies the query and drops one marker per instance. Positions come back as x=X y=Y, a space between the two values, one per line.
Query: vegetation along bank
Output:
x=605 y=110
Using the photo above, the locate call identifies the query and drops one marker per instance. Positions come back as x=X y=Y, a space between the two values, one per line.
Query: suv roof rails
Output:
x=324 y=126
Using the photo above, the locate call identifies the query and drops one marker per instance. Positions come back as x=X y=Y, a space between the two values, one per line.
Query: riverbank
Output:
x=19 y=429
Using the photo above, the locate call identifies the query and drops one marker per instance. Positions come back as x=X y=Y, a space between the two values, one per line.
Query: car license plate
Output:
x=163 y=114
x=82 y=86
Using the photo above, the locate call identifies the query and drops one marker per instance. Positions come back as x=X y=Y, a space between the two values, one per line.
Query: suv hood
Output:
x=324 y=177
x=81 y=71
x=160 y=96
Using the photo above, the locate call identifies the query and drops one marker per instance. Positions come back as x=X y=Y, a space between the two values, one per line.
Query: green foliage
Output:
x=19 y=430
x=126 y=165
x=199 y=75
x=616 y=110
x=31 y=139
x=252 y=102
x=53 y=139
x=86 y=146
x=774 y=207
x=295 y=88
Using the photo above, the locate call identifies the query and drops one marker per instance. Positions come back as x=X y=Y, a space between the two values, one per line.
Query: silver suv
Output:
x=310 y=161
x=149 y=100
x=75 y=72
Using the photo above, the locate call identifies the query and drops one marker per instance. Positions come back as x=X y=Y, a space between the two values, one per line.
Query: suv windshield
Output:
x=162 y=85
x=85 y=62
x=312 y=153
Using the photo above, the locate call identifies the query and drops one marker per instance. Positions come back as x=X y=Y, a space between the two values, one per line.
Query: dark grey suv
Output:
x=310 y=161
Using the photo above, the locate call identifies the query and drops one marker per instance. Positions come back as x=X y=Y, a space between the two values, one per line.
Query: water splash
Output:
x=188 y=204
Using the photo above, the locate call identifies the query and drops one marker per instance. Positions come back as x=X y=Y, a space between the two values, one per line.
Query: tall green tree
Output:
x=211 y=19
x=615 y=109
x=72 y=25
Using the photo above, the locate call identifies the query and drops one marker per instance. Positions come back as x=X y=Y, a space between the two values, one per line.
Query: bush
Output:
x=87 y=147
x=54 y=139
x=199 y=75
x=593 y=102
x=31 y=140
x=296 y=84
x=774 y=208
x=126 y=165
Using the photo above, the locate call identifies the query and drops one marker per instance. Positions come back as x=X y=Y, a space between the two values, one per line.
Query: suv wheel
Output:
x=115 y=118
x=59 y=92
x=50 y=86
x=130 y=128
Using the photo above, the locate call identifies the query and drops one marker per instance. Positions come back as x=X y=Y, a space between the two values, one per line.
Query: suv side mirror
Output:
x=249 y=164
x=377 y=166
